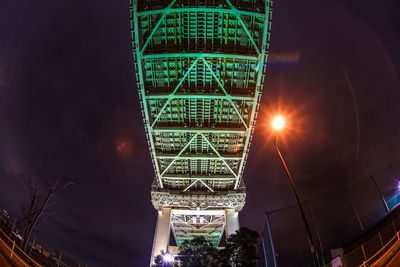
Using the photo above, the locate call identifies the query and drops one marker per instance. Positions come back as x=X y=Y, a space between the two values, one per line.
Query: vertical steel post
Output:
x=363 y=251
x=303 y=215
x=12 y=250
x=12 y=228
x=380 y=193
x=355 y=212
x=380 y=238
x=33 y=244
x=232 y=222
x=316 y=231
x=59 y=260
x=271 y=240
x=265 y=252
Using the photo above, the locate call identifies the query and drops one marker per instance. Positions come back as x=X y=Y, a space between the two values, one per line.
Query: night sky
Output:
x=68 y=97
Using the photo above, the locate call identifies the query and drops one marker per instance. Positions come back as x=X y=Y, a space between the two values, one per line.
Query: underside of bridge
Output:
x=200 y=68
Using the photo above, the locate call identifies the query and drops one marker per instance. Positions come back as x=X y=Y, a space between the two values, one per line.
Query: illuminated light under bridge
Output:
x=200 y=68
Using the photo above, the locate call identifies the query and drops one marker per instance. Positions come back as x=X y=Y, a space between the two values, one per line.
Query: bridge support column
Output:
x=232 y=222
x=161 y=234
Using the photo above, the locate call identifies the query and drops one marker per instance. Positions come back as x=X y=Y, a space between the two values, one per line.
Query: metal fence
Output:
x=14 y=253
x=335 y=219
x=36 y=255
x=377 y=246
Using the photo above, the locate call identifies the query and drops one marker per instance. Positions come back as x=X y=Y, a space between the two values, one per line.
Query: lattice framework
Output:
x=200 y=68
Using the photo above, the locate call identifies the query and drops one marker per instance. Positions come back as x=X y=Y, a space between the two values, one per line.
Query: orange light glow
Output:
x=278 y=123
x=124 y=147
x=286 y=119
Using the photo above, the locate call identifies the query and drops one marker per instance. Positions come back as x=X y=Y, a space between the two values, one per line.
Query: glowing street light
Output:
x=278 y=124
x=168 y=257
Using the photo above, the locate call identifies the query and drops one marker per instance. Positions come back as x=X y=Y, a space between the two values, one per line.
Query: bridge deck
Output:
x=200 y=68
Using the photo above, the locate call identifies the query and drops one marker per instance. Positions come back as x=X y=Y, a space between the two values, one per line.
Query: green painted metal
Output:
x=200 y=9
x=200 y=68
x=201 y=96
x=200 y=55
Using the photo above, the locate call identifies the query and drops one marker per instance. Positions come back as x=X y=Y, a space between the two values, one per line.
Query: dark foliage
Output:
x=240 y=251
x=198 y=252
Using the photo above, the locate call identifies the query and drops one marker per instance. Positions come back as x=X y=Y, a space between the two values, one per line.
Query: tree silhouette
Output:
x=241 y=249
x=36 y=201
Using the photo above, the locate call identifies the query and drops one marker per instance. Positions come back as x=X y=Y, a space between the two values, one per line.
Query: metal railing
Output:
x=380 y=255
x=14 y=253
x=377 y=250
x=353 y=211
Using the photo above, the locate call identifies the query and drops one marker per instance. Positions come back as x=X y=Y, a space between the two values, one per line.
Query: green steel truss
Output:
x=200 y=68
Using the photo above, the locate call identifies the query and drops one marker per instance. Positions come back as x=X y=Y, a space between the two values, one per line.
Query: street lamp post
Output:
x=278 y=124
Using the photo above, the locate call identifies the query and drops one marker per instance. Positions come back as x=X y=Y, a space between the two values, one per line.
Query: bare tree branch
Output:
x=36 y=201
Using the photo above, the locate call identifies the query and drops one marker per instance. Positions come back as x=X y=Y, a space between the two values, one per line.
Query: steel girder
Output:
x=200 y=70
x=186 y=224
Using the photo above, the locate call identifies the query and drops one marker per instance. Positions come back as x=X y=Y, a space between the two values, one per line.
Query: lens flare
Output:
x=278 y=123
x=168 y=257
x=284 y=59
x=124 y=147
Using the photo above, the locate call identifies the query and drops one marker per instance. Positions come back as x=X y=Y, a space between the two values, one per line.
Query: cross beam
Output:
x=180 y=129
x=219 y=156
x=164 y=13
x=232 y=10
x=201 y=9
x=200 y=96
x=201 y=55
x=177 y=156
x=203 y=178
x=223 y=89
x=173 y=92
x=199 y=157
x=237 y=15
